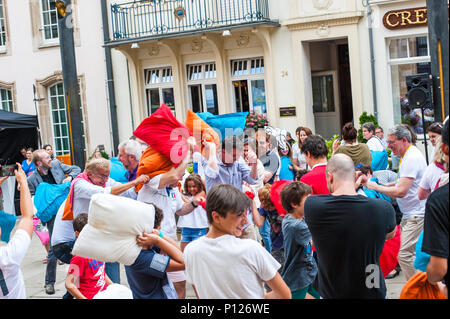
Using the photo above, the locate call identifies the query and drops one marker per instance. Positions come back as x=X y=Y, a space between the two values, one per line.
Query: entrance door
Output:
x=326 y=106
x=241 y=96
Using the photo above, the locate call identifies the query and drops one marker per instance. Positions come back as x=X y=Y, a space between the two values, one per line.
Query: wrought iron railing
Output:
x=159 y=17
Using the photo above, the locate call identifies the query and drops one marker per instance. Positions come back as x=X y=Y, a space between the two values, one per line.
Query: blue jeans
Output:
x=113 y=272
x=50 y=271
x=264 y=231
x=191 y=234
x=63 y=251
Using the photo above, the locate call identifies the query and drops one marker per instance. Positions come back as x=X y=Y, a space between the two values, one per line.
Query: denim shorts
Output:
x=191 y=234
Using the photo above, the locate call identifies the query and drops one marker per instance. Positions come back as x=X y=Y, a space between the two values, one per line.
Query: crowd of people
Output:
x=261 y=216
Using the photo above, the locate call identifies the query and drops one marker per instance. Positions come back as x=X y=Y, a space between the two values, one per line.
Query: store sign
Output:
x=406 y=18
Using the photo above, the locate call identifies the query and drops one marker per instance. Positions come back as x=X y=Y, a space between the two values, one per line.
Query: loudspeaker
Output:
x=419 y=90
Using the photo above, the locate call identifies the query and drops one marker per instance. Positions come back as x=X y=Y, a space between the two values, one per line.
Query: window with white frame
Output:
x=159 y=88
x=49 y=21
x=247 y=76
x=60 y=123
x=408 y=56
x=2 y=27
x=6 y=102
x=202 y=87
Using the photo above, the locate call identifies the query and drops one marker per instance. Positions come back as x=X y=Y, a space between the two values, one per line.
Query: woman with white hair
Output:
x=95 y=179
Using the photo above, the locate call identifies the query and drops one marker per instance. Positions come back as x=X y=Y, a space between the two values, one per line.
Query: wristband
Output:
x=192 y=203
x=160 y=234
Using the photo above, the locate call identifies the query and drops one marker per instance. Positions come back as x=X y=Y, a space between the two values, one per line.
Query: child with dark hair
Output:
x=195 y=223
x=86 y=277
x=222 y=266
x=300 y=268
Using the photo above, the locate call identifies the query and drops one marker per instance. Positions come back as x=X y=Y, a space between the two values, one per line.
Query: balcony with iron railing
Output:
x=155 y=19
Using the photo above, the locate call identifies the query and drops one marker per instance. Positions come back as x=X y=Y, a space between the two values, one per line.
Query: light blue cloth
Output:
x=48 y=198
x=117 y=171
x=229 y=124
x=422 y=258
x=7 y=223
x=374 y=194
x=285 y=172
x=379 y=160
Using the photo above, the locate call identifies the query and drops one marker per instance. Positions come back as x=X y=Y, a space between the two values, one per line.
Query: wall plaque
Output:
x=287 y=111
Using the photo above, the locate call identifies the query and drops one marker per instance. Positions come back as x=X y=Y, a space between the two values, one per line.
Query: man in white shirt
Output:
x=12 y=285
x=220 y=265
x=411 y=169
x=162 y=191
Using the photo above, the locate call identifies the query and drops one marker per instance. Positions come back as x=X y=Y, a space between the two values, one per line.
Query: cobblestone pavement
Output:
x=34 y=274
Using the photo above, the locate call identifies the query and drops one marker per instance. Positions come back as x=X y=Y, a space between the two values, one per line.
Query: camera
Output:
x=8 y=170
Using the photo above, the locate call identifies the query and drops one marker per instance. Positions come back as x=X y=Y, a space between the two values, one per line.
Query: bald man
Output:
x=348 y=231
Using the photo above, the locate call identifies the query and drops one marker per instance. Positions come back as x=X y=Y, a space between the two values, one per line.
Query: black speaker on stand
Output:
x=420 y=94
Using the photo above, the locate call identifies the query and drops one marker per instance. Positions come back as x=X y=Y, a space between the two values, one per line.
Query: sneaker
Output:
x=49 y=289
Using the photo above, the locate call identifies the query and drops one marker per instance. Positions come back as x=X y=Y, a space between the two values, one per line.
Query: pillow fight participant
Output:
x=12 y=285
x=162 y=191
x=130 y=152
x=27 y=165
x=434 y=132
x=379 y=132
x=348 y=267
x=160 y=255
x=298 y=158
x=195 y=223
x=358 y=152
x=49 y=149
x=95 y=179
x=411 y=169
x=86 y=277
x=219 y=265
x=373 y=142
x=269 y=157
x=433 y=173
x=315 y=150
x=51 y=172
x=436 y=226
x=300 y=268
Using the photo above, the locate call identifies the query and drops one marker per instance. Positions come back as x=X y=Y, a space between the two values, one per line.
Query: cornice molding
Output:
x=330 y=20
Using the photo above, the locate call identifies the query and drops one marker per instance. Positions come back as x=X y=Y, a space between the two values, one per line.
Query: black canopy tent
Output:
x=16 y=131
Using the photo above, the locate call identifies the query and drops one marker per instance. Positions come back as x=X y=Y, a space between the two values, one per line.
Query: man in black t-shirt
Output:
x=348 y=231
x=436 y=224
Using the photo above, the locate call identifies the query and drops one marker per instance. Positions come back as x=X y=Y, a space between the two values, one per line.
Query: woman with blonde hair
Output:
x=433 y=172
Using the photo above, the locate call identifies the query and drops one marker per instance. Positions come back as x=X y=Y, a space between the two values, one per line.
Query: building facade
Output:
x=31 y=74
x=303 y=63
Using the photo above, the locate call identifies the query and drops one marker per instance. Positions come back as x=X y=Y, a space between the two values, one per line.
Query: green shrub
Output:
x=329 y=144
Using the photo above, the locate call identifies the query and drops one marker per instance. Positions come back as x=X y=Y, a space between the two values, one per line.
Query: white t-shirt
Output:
x=297 y=153
x=195 y=219
x=167 y=199
x=11 y=256
x=431 y=176
x=375 y=144
x=63 y=229
x=413 y=165
x=228 y=267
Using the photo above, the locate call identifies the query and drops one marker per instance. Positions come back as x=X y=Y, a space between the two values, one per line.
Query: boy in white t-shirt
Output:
x=12 y=285
x=221 y=266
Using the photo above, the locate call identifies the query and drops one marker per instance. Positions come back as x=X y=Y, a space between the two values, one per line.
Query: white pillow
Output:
x=115 y=291
x=113 y=224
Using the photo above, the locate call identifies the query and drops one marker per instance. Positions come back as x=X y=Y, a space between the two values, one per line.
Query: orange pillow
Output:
x=418 y=287
x=152 y=163
x=201 y=130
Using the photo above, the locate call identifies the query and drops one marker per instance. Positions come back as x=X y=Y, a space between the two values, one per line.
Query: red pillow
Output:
x=275 y=195
x=165 y=134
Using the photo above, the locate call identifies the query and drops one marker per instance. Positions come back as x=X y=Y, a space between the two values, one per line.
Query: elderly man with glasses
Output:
x=411 y=168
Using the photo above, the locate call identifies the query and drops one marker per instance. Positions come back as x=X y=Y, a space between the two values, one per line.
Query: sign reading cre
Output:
x=406 y=18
